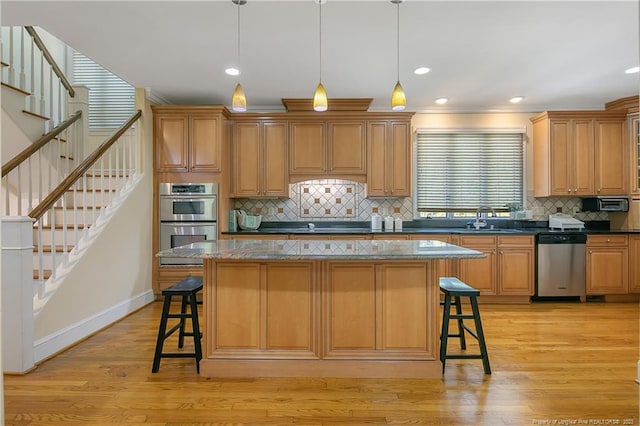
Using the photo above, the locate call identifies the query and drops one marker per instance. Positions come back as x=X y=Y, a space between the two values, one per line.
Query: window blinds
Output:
x=461 y=171
x=111 y=99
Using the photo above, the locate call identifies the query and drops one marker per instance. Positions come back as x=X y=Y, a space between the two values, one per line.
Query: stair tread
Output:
x=47 y=248
x=16 y=89
x=80 y=226
x=33 y=114
x=46 y=273
x=78 y=207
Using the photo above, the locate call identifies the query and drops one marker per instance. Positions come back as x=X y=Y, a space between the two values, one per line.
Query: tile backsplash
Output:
x=326 y=199
x=337 y=199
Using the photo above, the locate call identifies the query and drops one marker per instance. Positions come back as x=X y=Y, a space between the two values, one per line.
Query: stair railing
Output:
x=33 y=173
x=29 y=66
x=105 y=174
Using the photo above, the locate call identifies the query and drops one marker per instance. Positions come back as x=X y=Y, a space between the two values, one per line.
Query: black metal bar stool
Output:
x=187 y=289
x=454 y=289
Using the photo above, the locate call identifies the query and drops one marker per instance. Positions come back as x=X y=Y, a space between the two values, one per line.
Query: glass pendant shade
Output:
x=398 y=100
x=238 y=100
x=320 y=99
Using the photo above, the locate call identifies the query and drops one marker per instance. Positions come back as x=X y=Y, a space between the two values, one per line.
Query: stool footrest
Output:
x=465 y=356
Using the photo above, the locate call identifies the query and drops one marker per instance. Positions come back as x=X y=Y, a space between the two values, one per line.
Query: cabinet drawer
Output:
x=607 y=240
x=475 y=240
x=517 y=240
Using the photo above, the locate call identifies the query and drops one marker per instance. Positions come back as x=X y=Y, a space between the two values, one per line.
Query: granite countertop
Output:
x=418 y=227
x=321 y=250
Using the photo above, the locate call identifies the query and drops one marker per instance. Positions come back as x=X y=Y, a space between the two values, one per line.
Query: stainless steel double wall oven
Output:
x=188 y=214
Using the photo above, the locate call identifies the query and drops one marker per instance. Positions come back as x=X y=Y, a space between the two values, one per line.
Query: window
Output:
x=111 y=99
x=459 y=171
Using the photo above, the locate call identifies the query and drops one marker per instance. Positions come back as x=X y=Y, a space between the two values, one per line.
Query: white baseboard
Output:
x=56 y=342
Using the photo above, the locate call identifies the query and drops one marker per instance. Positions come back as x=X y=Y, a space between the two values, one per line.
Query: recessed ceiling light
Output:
x=516 y=99
x=421 y=70
x=232 y=71
x=442 y=101
x=632 y=70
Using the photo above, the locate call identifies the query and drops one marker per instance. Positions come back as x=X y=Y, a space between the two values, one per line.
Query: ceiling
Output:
x=558 y=55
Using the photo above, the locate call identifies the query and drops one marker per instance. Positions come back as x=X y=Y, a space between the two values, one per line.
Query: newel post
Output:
x=17 y=294
x=80 y=102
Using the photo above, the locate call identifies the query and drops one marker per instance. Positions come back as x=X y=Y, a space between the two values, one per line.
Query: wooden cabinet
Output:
x=254 y=304
x=188 y=139
x=379 y=311
x=611 y=154
x=332 y=147
x=634 y=134
x=390 y=236
x=479 y=273
x=579 y=153
x=259 y=159
x=507 y=269
x=634 y=264
x=607 y=264
x=389 y=158
x=516 y=260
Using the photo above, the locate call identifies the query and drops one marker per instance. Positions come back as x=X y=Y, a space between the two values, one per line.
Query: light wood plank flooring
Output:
x=552 y=363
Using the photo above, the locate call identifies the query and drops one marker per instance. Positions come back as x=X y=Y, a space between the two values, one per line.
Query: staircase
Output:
x=71 y=199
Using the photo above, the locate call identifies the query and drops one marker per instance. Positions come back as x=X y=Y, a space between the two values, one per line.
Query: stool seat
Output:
x=187 y=289
x=453 y=290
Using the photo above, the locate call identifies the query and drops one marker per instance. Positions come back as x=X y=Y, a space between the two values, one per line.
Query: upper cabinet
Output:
x=634 y=134
x=259 y=159
x=327 y=147
x=188 y=139
x=579 y=153
x=389 y=158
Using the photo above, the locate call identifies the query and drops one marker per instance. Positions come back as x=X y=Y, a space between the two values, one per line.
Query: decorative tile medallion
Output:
x=327 y=200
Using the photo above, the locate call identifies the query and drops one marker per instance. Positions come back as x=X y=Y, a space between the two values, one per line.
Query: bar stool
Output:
x=454 y=289
x=187 y=289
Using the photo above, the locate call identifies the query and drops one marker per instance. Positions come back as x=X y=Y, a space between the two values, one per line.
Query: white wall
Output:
x=113 y=277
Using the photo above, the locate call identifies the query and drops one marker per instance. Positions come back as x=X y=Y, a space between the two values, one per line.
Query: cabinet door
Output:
x=400 y=161
x=479 y=273
x=376 y=158
x=307 y=148
x=246 y=160
x=347 y=147
x=276 y=181
x=607 y=270
x=172 y=136
x=611 y=158
x=204 y=144
x=515 y=271
x=634 y=264
x=634 y=134
x=581 y=158
x=560 y=152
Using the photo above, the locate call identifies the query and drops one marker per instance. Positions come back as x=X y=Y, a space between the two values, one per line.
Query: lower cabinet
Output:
x=607 y=264
x=379 y=311
x=634 y=264
x=507 y=269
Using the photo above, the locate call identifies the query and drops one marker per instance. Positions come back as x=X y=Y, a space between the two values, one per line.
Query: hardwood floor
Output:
x=552 y=363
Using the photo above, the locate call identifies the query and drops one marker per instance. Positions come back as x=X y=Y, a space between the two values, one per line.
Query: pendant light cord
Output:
x=239 y=35
x=398 y=41
x=320 y=26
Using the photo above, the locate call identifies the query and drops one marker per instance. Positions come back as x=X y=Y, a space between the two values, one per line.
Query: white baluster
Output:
x=5 y=183
x=30 y=184
x=12 y=70
x=32 y=86
x=22 y=55
x=19 y=190
x=52 y=218
x=41 y=110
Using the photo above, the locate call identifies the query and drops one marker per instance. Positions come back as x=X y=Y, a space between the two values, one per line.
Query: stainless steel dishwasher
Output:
x=561 y=265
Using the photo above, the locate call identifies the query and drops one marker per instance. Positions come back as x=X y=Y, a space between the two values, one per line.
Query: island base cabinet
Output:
x=376 y=311
x=329 y=318
x=259 y=310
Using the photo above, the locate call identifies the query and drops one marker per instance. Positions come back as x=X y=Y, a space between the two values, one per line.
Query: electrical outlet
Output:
x=272 y=211
x=576 y=210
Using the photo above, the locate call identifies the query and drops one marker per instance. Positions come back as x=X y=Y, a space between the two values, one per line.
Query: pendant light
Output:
x=320 y=102
x=238 y=99
x=398 y=99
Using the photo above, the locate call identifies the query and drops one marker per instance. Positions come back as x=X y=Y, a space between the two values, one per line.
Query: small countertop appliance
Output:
x=564 y=222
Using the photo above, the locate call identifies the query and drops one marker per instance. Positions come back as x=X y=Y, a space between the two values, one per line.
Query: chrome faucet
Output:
x=483 y=209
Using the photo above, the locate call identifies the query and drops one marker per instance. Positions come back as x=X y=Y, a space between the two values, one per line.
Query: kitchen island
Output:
x=348 y=308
